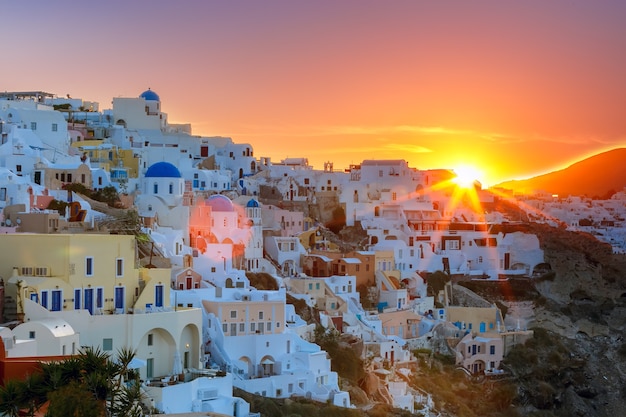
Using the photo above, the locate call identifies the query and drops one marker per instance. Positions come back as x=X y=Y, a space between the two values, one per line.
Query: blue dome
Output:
x=218 y=202
x=252 y=203
x=149 y=95
x=163 y=170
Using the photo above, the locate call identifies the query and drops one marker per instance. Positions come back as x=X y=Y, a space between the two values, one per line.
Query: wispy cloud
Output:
x=358 y=130
x=404 y=147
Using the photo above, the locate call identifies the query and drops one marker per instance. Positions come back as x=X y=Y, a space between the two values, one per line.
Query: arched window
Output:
x=155 y=188
x=171 y=188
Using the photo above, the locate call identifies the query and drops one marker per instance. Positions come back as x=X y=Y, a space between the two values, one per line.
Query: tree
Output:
x=107 y=195
x=11 y=399
x=436 y=282
x=74 y=399
x=88 y=384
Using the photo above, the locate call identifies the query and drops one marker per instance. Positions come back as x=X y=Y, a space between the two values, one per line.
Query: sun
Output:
x=466 y=176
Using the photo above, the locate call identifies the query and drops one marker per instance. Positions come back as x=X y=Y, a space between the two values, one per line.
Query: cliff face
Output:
x=584 y=303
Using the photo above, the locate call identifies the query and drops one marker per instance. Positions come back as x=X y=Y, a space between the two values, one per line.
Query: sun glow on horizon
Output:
x=466 y=176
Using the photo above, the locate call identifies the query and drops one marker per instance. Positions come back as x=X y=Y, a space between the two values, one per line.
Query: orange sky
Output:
x=515 y=88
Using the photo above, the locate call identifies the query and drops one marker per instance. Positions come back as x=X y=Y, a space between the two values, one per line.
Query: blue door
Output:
x=57 y=304
x=119 y=297
x=158 y=296
x=89 y=300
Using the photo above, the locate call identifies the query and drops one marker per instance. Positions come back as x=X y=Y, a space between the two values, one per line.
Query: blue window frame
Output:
x=77 y=299
x=89 y=266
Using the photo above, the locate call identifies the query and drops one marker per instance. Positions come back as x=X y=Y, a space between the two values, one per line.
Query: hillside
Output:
x=576 y=364
x=598 y=176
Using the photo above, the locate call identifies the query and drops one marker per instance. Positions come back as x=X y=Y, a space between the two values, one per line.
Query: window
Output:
x=171 y=189
x=225 y=328
x=260 y=315
x=242 y=327
x=155 y=188
x=269 y=326
x=150 y=339
x=107 y=344
x=31 y=334
x=252 y=327
x=55 y=127
x=77 y=299
x=492 y=350
x=89 y=266
x=99 y=297
x=452 y=244
x=119 y=267
x=233 y=314
x=33 y=125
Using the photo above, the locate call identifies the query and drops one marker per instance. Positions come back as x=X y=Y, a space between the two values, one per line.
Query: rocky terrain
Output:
x=576 y=364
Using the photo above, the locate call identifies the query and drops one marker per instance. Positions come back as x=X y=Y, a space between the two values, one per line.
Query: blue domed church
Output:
x=161 y=197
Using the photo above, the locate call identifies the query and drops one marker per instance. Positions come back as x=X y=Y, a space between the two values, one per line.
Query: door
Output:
x=89 y=300
x=119 y=297
x=150 y=368
x=57 y=304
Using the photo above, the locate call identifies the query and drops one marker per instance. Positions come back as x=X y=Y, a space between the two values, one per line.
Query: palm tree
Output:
x=11 y=398
x=34 y=394
x=88 y=384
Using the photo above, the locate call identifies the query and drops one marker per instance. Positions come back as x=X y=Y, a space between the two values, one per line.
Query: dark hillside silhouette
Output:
x=599 y=176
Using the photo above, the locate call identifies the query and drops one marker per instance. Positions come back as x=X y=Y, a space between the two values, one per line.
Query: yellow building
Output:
x=93 y=282
x=476 y=320
x=122 y=164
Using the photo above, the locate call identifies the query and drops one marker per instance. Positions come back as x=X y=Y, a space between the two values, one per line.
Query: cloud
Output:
x=403 y=147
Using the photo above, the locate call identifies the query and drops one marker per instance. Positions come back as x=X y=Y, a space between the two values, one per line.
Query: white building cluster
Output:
x=196 y=320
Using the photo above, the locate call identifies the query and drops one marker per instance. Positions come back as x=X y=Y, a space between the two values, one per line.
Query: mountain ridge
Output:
x=600 y=175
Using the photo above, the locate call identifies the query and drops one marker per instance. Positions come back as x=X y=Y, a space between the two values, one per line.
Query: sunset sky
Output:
x=512 y=88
